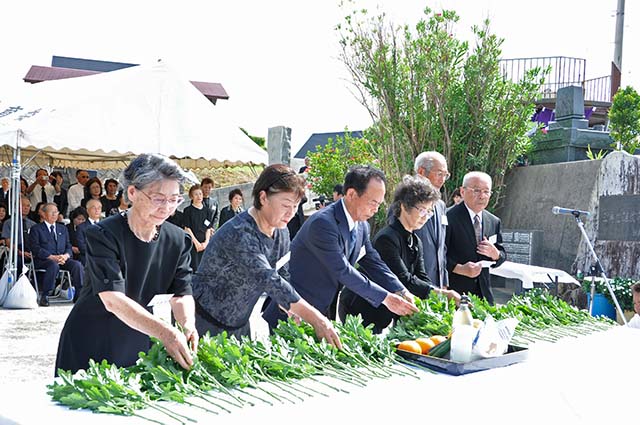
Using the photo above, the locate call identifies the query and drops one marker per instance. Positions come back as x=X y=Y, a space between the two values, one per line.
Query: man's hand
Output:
x=325 y=330
x=75 y=250
x=399 y=305
x=469 y=269
x=488 y=249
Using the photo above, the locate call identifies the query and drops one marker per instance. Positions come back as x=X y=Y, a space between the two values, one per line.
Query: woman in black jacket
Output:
x=233 y=209
x=401 y=250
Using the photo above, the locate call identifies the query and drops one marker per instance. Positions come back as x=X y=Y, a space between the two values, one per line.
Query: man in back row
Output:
x=75 y=193
x=473 y=235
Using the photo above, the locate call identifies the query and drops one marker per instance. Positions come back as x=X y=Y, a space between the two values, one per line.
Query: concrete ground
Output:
x=29 y=340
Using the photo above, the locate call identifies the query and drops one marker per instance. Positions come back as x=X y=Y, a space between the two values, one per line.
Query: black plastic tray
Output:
x=513 y=355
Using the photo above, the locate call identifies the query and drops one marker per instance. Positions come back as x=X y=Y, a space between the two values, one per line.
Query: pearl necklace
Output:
x=153 y=239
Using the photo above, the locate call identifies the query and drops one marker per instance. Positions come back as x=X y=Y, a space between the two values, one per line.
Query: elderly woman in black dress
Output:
x=132 y=257
x=247 y=257
x=233 y=209
x=401 y=250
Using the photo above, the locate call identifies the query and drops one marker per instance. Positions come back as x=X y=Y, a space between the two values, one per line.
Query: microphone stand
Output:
x=576 y=215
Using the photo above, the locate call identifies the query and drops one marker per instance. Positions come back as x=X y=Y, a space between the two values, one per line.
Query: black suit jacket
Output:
x=42 y=244
x=462 y=246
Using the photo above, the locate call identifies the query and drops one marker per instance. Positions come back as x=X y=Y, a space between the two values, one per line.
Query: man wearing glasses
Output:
x=473 y=239
x=433 y=166
x=75 y=193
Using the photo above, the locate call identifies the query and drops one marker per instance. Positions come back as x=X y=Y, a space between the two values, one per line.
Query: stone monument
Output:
x=569 y=136
x=279 y=145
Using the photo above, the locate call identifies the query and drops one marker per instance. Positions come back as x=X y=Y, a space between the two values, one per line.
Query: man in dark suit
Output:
x=51 y=251
x=207 y=186
x=94 y=210
x=4 y=191
x=332 y=241
x=473 y=234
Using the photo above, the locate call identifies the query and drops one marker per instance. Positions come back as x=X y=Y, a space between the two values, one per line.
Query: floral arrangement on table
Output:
x=621 y=288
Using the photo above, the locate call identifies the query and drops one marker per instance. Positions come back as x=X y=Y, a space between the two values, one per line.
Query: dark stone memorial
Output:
x=619 y=218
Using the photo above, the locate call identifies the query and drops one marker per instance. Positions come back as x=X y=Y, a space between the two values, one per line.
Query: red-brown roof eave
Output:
x=37 y=74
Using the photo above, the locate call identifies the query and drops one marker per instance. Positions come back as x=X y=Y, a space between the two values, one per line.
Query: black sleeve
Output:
x=389 y=249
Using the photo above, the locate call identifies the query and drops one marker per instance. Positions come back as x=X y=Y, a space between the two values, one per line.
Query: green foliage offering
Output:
x=541 y=316
x=621 y=288
x=624 y=120
x=428 y=90
x=329 y=163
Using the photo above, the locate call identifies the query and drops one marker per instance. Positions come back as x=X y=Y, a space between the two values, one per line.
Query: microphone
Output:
x=557 y=210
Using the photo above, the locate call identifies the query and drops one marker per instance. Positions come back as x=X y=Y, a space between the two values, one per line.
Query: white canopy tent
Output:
x=100 y=121
x=92 y=121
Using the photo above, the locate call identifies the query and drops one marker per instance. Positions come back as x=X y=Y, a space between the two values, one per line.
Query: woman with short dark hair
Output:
x=76 y=218
x=111 y=198
x=92 y=190
x=401 y=249
x=197 y=220
x=234 y=208
x=131 y=258
x=248 y=256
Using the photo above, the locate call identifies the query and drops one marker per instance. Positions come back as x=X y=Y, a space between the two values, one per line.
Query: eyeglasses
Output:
x=160 y=201
x=424 y=212
x=442 y=174
x=477 y=192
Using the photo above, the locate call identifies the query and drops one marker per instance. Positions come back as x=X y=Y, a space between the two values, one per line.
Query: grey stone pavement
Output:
x=29 y=340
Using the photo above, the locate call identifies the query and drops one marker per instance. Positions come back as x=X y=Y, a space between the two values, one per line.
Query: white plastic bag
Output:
x=493 y=338
x=22 y=295
x=4 y=286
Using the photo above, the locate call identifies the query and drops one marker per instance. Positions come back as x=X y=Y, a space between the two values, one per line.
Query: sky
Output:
x=278 y=59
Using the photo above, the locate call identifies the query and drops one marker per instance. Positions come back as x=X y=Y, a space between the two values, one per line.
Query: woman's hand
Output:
x=191 y=333
x=177 y=347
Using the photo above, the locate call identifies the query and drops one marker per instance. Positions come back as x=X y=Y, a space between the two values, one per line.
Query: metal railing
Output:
x=562 y=72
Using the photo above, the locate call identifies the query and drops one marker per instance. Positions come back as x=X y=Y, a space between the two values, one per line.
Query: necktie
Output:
x=477 y=228
x=352 y=240
x=44 y=195
x=52 y=230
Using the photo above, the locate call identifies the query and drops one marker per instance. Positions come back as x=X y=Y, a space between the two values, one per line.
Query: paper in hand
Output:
x=485 y=263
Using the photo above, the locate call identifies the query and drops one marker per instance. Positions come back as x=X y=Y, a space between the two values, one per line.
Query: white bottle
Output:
x=463 y=333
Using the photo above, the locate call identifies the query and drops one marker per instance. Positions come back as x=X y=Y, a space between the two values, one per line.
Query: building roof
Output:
x=36 y=74
x=321 y=139
x=88 y=64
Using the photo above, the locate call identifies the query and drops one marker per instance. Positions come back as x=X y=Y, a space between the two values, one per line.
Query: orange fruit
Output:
x=410 y=346
x=437 y=339
x=426 y=344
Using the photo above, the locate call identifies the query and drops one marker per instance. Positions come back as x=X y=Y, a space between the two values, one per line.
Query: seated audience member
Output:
x=41 y=190
x=92 y=190
x=122 y=206
x=51 y=251
x=5 y=188
x=60 y=199
x=401 y=249
x=37 y=214
x=233 y=209
x=27 y=224
x=94 y=212
x=77 y=217
x=111 y=199
x=4 y=214
x=24 y=185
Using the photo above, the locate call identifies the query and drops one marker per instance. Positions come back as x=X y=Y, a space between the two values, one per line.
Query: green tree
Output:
x=260 y=141
x=624 y=120
x=329 y=163
x=428 y=90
